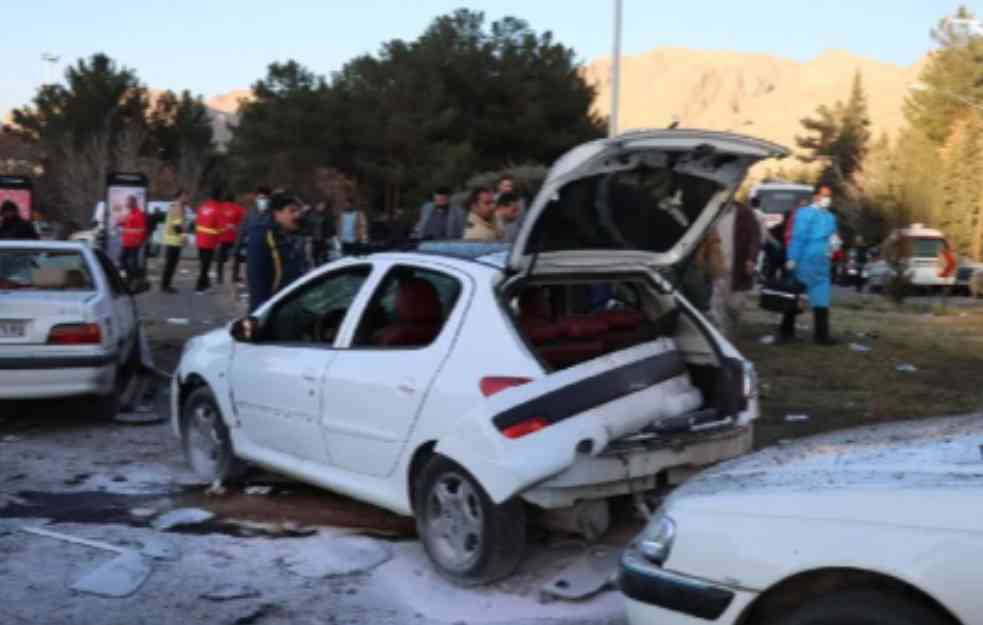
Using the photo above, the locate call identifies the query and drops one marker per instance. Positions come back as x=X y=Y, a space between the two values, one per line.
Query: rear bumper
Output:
x=56 y=376
x=627 y=468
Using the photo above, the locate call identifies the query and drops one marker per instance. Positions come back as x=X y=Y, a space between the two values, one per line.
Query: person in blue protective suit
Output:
x=808 y=258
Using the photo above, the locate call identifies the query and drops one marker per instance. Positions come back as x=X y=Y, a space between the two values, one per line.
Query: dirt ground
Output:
x=847 y=385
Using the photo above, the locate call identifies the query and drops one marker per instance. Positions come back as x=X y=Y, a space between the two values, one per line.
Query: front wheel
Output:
x=470 y=539
x=205 y=439
x=860 y=607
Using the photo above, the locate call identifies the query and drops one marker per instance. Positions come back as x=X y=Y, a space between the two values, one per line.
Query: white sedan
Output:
x=68 y=325
x=464 y=383
x=880 y=526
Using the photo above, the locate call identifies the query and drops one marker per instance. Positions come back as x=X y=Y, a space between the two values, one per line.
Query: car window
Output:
x=314 y=313
x=116 y=284
x=44 y=270
x=408 y=310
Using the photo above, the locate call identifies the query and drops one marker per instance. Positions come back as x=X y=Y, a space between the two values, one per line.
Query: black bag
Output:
x=783 y=295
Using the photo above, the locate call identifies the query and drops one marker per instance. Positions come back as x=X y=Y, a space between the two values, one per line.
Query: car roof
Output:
x=476 y=265
x=489 y=254
x=33 y=244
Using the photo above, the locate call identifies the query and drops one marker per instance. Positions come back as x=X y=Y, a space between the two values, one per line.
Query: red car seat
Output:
x=419 y=316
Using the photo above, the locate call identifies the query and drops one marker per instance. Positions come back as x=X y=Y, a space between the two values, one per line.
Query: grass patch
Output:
x=839 y=388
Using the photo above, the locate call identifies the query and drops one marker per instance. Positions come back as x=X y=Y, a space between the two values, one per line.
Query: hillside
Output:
x=757 y=94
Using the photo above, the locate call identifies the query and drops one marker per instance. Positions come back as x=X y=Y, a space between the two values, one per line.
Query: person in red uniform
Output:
x=233 y=215
x=134 y=226
x=209 y=225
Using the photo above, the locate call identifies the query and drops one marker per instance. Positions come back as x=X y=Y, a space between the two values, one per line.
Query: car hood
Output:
x=919 y=474
x=644 y=197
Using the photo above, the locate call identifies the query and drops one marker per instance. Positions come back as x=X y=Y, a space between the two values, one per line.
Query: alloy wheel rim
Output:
x=455 y=523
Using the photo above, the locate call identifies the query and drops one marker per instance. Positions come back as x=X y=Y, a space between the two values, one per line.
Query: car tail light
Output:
x=75 y=334
x=527 y=426
x=491 y=385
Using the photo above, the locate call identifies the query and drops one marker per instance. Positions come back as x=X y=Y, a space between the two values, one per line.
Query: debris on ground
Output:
x=857 y=347
x=586 y=576
x=11 y=439
x=143 y=513
x=340 y=555
x=768 y=339
x=228 y=592
x=796 y=418
x=160 y=548
x=281 y=529
x=120 y=577
x=179 y=321
x=215 y=489
x=255 y=614
x=182 y=516
x=906 y=367
x=258 y=490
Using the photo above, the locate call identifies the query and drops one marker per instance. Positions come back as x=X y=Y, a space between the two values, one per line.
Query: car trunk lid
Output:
x=642 y=198
x=27 y=317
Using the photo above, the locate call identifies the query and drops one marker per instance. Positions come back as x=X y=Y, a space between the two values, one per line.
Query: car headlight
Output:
x=655 y=542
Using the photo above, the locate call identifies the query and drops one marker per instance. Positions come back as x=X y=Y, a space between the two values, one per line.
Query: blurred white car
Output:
x=878 y=526
x=68 y=325
x=463 y=383
x=921 y=264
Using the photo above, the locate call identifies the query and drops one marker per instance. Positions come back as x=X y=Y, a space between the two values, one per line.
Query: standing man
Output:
x=740 y=237
x=12 y=225
x=861 y=256
x=322 y=226
x=438 y=219
x=232 y=216
x=257 y=210
x=272 y=261
x=352 y=228
x=173 y=239
x=809 y=254
x=481 y=217
x=134 y=226
x=508 y=211
x=209 y=226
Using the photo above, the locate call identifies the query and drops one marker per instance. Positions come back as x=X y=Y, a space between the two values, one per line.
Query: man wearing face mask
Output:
x=255 y=212
x=809 y=253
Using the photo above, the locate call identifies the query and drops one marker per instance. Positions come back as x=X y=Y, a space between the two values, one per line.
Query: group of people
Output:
x=488 y=214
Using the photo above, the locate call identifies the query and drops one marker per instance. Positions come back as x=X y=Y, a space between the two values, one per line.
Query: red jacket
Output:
x=134 y=229
x=209 y=224
x=233 y=215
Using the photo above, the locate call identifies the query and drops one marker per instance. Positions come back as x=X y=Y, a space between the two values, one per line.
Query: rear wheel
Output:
x=205 y=439
x=860 y=607
x=470 y=539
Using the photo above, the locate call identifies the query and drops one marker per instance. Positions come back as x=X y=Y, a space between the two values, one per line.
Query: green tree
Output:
x=962 y=187
x=951 y=83
x=83 y=129
x=181 y=129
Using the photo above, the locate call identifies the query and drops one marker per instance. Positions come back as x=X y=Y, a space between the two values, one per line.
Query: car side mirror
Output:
x=244 y=330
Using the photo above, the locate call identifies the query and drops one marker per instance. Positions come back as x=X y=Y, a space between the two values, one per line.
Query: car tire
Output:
x=470 y=540
x=860 y=607
x=105 y=407
x=205 y=439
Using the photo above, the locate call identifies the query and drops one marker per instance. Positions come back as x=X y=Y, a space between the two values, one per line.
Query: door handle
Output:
x=406 y=385
x=310 y=376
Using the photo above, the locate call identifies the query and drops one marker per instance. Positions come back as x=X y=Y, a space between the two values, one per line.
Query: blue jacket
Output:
x=809 y=248
x=273 y=260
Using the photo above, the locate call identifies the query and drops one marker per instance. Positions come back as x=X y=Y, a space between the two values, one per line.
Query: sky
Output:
x=215 y=46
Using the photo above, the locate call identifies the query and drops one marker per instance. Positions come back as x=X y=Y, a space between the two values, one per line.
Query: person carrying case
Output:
x=783 y=295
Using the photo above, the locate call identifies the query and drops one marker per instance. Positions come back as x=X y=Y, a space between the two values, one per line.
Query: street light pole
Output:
x=615 y=71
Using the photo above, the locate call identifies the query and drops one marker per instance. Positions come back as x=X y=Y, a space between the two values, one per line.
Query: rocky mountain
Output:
x=756 y=94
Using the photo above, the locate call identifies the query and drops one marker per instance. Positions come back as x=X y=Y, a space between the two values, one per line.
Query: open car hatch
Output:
x=645 y=197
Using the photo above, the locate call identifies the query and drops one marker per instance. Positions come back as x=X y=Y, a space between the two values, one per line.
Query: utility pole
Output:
x=615 y=71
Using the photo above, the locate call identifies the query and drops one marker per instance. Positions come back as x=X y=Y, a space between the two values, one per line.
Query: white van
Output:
x=773 y=198
x=922 y=248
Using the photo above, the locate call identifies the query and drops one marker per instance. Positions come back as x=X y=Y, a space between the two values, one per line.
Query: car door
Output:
x=276 y=382
x=375 y=389
x=122 y=322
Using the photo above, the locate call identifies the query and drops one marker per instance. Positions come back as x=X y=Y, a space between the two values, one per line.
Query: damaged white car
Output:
x=463 y=385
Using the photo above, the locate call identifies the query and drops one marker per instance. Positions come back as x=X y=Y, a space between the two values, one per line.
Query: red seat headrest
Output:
x=626 y=319
x=403 y=334
x=417 y=302
x=539 y=331
x=584 y=327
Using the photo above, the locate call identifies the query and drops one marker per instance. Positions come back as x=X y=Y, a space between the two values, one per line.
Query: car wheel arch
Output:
x=421 y=456
x=190 y=384
x=796 y=590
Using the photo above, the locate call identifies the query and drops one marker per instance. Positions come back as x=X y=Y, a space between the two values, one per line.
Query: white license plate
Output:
x=12 y=329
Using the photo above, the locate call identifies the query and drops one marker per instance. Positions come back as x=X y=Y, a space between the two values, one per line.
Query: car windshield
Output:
x=779 y=201
x=44 y=270
x=926 y=247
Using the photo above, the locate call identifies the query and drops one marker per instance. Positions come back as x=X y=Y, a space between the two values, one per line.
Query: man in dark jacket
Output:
x=253 y=214
x=273 y=260
x=12 y=225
